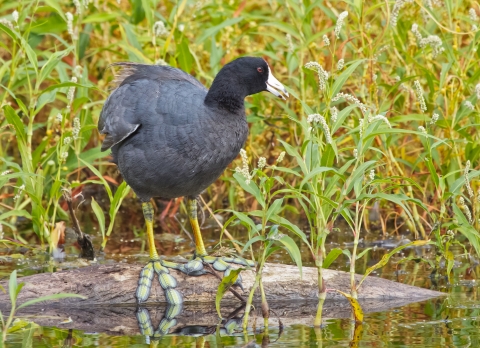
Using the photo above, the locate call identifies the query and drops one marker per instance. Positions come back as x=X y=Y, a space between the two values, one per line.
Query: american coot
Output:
x=171 y=137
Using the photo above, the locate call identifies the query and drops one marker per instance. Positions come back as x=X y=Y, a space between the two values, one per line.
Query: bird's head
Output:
x=255 y=75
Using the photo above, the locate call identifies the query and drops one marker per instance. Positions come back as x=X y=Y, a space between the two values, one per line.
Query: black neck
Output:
x=225 y=92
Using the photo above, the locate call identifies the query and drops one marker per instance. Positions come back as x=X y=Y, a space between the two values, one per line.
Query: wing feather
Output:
x=119 y=118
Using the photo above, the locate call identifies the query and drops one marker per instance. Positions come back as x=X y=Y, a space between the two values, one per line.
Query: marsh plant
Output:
x=265 y=238
x=385 y=112
x=350 y=150
x=14 y=289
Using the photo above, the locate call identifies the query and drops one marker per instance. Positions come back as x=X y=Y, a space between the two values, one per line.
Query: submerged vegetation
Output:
x=382 y=122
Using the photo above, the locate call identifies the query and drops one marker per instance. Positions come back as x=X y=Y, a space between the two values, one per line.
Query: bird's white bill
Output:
x=275 y=87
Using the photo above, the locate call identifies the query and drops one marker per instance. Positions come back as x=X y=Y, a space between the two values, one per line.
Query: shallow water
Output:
x=452 y=321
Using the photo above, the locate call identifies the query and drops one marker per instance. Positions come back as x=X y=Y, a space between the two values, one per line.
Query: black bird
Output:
x=171 y=137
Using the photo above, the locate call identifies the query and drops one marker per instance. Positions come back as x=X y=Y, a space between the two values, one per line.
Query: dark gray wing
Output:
x=119 y=119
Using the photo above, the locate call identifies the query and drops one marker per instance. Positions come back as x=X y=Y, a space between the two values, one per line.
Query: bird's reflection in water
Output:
x=228 y=325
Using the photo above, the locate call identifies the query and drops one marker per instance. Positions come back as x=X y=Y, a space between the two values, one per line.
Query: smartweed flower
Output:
x=435 y=43
x=339 y=25
x=360 y=127
x=422 y=129
x=434 y=119
x=15 y=16
x=465 y=209
x=371 y=175
x=78 y=71
x=67 y=140
x=380 y=118
x=6 y=172
x=326 y=40
x=63 y=156
x=59 y=117
x=262 y=162
x=355 y=153
x=160 y=61
x=351 y=99
x=322 y=74
x=6 y=23
x=416 y=32
x=317 y=118
x=473 y=15
x=76 y=128
x=71 y=92
x=396 y=10
x=159 y=29
x=467 y=182
x=281 y=157
x=70 y=25
x=19 y=192
x=244 y=170
x=419 y=93
x=78 y=6
x=334 y=113
x=340 y=64
x=289 y=43
x=468 y=104
x=477 y=91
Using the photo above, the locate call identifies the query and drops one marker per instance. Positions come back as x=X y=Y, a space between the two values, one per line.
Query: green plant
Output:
x=266 y=187
x=14 y=289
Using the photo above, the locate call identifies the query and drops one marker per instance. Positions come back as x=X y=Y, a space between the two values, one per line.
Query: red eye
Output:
x=260 y=70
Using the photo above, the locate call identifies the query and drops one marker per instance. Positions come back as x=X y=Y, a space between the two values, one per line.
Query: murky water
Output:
x=453 y=321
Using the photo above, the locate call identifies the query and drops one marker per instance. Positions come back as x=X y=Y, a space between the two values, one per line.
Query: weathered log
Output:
x=116 y=285
x=110 y=304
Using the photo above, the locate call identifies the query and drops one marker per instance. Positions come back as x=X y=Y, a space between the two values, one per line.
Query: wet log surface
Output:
x=110 y=303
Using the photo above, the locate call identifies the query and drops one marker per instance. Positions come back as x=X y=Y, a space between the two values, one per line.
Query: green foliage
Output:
x=225 y=284
x=14 y=289
x=404 y=133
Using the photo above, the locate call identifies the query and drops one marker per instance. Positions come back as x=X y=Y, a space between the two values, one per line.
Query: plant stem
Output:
x=322 y=295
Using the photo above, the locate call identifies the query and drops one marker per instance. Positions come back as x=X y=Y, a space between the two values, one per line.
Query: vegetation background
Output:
x=382 y=122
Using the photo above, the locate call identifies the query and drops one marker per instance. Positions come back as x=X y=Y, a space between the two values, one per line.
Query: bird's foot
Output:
x=196 y=266
x=166 y=280
x=167 y=322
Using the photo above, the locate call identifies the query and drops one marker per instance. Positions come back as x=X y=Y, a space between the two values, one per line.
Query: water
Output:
x=452 y=321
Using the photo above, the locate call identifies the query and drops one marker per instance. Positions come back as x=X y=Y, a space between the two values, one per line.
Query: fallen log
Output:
x=110 y=303
x=116 y=285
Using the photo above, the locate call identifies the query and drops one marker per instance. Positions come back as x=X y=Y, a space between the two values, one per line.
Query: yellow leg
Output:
x=148 y=214
x=192 y=215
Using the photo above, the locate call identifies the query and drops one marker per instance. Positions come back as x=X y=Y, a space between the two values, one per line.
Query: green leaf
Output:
x=332 y=256
x=251 y=188
x=251 y=241
x=15 y=212
x=294 y=153
x=100 y=216
x=100 y=176
x=185 y=58
x=340 y=80
x=226 y=283
x=275 y=208
x=290 y=226
x=387 y=257
x=51 y=63
x=244 y=218
x=215 y=29
x=293 y=251
x=359 y=256
x=466 y=229
x=12 y=287
x=50 y=298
